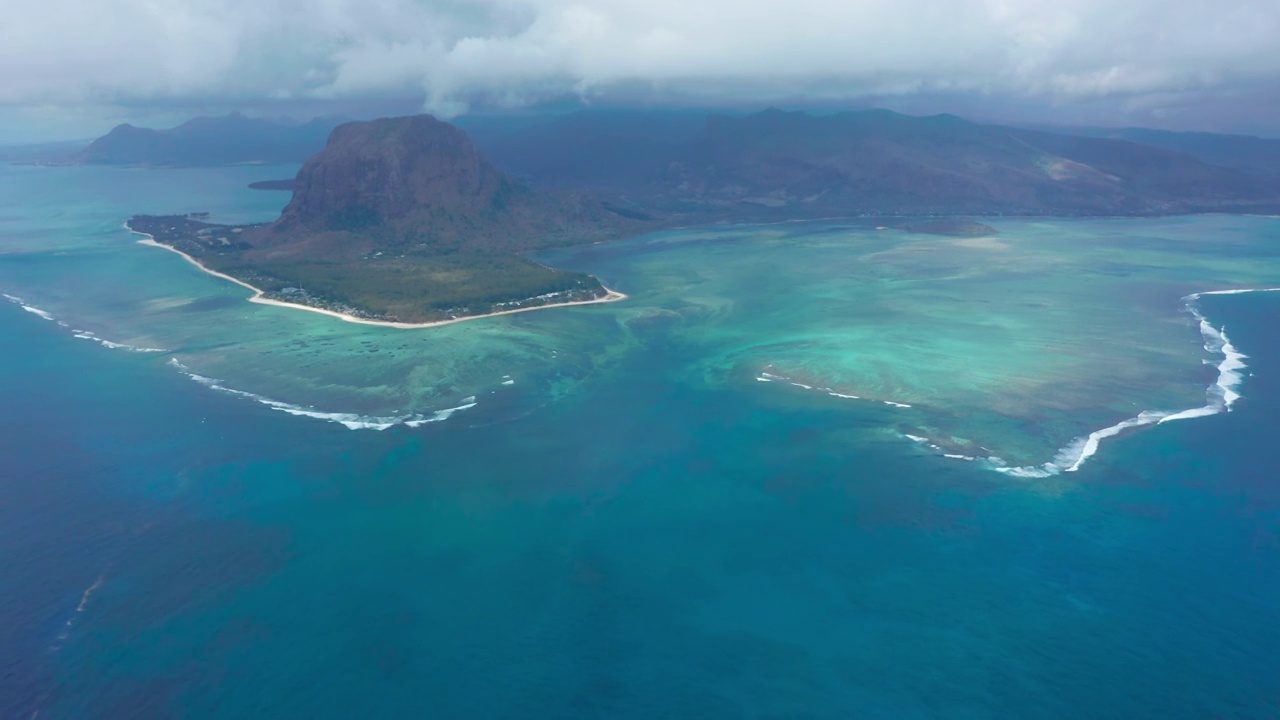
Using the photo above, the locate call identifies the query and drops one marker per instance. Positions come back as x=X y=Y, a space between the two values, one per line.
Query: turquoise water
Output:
x=638 y=525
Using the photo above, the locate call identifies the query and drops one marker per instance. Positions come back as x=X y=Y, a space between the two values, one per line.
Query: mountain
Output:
x=210 y=141
x=776 y=164
x=419 y=182
x=1243 y=152
x=879 y=162
x=404 y=219
x=603 y=150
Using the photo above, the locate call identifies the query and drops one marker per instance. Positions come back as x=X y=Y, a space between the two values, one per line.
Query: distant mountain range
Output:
x=210 y=141
x=46 y=153
x=616 y=151
x=1243 y=152
x=776 y=164
x=793 y=164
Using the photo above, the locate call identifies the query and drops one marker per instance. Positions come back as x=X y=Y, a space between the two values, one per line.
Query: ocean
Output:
x=777 y=481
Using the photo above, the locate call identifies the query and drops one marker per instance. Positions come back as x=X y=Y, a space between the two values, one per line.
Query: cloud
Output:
x=454 y=53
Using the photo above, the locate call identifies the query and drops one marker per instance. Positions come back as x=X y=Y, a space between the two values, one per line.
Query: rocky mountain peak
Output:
x=386 y=171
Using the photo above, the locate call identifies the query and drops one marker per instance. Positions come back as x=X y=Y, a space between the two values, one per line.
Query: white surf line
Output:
x=37 y=312
x=351 y=421
x=771 y=377
x=61 y=639
x=80 y=334
x=86 y=335
x=71 y=621
x=42 y=314
x=1220 y=397
x=442 y=415
x=938 y=449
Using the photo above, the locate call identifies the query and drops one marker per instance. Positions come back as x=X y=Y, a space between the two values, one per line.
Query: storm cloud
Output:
x=449 y=55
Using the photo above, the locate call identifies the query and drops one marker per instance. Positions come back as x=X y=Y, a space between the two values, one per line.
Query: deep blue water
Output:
x=647 y=547
x=635 y=526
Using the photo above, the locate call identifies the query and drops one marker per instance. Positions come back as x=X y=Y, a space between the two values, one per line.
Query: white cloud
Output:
x=512 y=51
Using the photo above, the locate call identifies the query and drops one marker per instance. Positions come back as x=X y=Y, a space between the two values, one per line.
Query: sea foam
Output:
x=86 y=335
x=351 y=421
x=37 y=312
x=770 y=377
x=70 y=622
x=81 y=334
x=29 y=308
x=1220 y=397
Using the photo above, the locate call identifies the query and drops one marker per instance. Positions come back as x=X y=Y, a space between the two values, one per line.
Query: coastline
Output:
x=149 y=240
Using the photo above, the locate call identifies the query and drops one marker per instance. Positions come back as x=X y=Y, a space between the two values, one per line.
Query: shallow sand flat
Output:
x=982 y=243
x=1076 y=327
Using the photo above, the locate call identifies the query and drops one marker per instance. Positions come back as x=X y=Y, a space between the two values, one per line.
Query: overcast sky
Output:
x=74 y=67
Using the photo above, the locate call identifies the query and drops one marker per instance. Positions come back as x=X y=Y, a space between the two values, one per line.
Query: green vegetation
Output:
x=420 y=286
x=415 y=288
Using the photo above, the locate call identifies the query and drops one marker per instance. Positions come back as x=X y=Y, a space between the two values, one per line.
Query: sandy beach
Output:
x=612 y=296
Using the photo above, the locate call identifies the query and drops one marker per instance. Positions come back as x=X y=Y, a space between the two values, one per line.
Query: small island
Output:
x=284 y=184
x=952 y=227
x=402 y=222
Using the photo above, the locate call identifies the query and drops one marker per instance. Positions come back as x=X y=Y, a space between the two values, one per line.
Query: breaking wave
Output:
x=1220 y=397
x=86 y=335
x=81 y=334
x=80 y=607
x=771 y=377
x=351 y=421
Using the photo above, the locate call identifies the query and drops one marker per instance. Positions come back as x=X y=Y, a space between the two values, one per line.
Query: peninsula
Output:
x=401 y=221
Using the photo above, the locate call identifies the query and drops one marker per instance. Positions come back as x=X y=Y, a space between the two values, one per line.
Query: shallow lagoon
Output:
x=1009 y=346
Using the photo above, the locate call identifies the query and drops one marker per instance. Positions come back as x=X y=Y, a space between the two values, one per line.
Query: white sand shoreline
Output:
x=149 y=240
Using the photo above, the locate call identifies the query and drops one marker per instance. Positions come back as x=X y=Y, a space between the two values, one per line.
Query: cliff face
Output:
x=419 y=183
x=387 y=171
